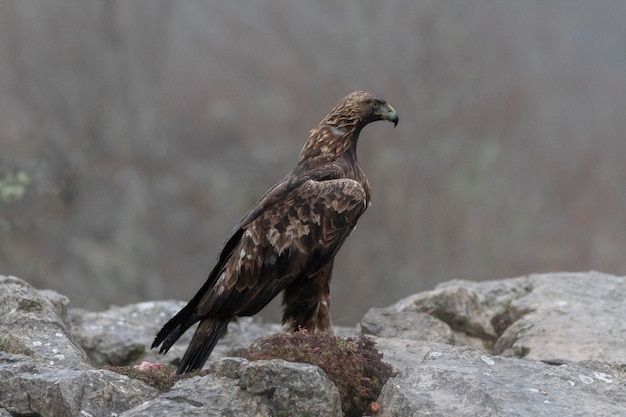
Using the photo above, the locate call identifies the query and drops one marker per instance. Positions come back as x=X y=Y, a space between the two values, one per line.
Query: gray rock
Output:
x=59 y=301
x=31 y=389
x=464 y=311
x=384 y=322
x=236 y=387
x=404 y=353
x=563 y=315
x=297 y=388
x=27 y=390
x=460 y=381
x=550 y=316
x=569 y=316
x=123 y=335
x=30 y=325
x=43 y=371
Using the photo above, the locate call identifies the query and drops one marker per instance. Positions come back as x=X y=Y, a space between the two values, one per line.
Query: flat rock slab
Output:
x=460 y=381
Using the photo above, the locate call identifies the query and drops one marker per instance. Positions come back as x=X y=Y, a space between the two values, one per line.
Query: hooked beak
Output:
x=391 y=115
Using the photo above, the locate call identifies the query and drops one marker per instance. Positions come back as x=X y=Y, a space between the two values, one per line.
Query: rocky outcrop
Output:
x=48 y=355
x=572 y=320
x=569 y=316
x=43 y=371
x=32 y=325
x=463 y=349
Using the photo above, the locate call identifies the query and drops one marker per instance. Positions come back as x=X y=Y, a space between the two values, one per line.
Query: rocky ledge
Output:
x=539 y=345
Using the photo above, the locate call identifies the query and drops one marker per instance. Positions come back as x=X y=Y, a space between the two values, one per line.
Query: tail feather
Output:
x=174 y=328
x=211 y=329
x=205 y=338
x=184 y=319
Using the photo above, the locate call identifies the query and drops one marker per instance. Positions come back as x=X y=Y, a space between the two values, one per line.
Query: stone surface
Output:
x=461 y=381
x=123 y=335
x=570 y=316
x=404 y=353
x=27 y=390
x=236 y=387
x=30 y=325
x=43 y=372
x=59 y=302
x=574 y=317
x=385 y=322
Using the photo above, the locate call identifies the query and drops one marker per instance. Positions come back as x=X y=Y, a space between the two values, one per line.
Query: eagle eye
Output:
x=376 y=104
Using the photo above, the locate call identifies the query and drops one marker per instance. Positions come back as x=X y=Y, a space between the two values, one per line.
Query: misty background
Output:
x=135 y=135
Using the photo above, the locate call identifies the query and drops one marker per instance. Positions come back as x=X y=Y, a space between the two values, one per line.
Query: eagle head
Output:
x=371 y=108
x=339 y=131
x=359 y=108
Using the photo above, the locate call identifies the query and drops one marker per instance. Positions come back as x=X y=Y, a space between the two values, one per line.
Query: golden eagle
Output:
x=289 y=238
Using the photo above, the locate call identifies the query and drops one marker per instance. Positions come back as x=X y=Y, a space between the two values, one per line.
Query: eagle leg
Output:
x=306 y=302
x=324 y=322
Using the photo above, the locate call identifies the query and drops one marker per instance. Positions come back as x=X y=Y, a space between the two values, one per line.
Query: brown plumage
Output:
x=289 y=238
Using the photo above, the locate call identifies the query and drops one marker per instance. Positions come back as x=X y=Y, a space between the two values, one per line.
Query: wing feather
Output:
x=302 y=233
